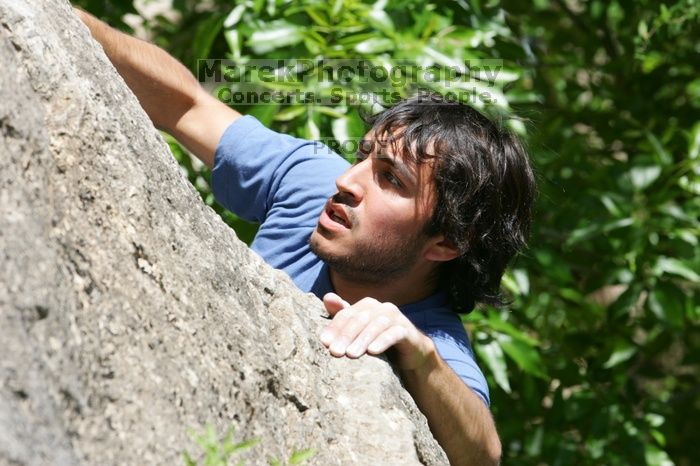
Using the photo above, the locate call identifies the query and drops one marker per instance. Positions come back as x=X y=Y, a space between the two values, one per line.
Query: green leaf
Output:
x=300 y=456
x=495 y=322
x=189 y=461
x=589 y=231
x=610 y=205
x=437 y=57
x=355 y=39
x=654 y=420
x=621 y=307
x=656 y=457
x=642 y=177
x=337 y=7
x=265 y=113
x=492 y=73
x=509 y=284
x=517 y=126
x=380 y=20
x=666 y=302
x=521 y=278
x=694 y=142
x=316 y=17
x=524 y=355
x=312 y=132
x=533 y=446
x=374 y=45
x=235 y=16
x=663 y=157
x=205 y=34
x=675 y=266
x=290 y=113
x=690 y=185
x=493 y=357
x=620 y=355
x=244 y=445
x=658 y=436
x=340 y=131
x=331 y=112
x=642 y=30
x=274 y=35
x=233 y=39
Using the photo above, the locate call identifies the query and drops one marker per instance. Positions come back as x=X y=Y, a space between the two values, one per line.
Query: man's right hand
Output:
x=168 y=92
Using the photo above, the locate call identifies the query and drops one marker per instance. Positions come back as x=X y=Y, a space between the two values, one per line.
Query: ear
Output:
x=440 y=249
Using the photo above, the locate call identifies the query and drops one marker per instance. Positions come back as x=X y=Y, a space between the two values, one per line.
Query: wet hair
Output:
x=484 y=184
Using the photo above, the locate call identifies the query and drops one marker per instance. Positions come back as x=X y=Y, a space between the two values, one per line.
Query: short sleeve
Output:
x=458 y=354
x=445 y=329
x=256 y=168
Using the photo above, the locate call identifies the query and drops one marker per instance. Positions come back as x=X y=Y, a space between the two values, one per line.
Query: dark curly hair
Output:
x=485 y=190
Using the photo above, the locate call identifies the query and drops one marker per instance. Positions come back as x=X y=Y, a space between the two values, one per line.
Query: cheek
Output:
x=393 y=217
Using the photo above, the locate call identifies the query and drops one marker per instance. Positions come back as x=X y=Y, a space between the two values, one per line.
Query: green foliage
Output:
x=220 y=452
x=596 y=360
x=297 y=457
x=612 y=282
x=217 y=452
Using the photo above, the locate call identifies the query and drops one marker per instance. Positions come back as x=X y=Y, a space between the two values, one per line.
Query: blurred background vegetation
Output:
x=596 y=360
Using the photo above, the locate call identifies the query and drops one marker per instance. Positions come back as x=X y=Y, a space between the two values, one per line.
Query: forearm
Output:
x=164 y=87
x=458 y=418
x=168 y=92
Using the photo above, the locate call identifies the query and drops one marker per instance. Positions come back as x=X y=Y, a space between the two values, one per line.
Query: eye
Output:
x=392 y=179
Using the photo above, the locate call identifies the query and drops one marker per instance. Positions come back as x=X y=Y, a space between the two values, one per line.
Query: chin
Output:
x=315 y=241
x=320 y=245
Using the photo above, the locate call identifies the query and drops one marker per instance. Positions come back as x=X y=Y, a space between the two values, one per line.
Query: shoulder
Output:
x=257 y=169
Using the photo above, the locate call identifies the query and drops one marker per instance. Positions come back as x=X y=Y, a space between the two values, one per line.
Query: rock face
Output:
x=129 y=313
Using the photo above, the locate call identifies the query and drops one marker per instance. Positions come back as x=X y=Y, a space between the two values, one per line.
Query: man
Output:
x=426 y=220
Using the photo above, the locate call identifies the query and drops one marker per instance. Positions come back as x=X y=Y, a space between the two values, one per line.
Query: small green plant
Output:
x=219 y=452
x=298 y=457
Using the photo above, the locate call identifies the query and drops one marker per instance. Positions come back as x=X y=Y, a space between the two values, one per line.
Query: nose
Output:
x=350 y=185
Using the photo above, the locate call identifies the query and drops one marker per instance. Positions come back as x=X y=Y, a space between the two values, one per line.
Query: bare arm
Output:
x=468 y=434
x=168 y=92
x=458 y=418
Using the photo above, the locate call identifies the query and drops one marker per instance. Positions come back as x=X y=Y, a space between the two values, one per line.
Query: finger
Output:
x=333 y=330
x=387 y=339
x=370 y=333
x=334 y=303
x=346 y=333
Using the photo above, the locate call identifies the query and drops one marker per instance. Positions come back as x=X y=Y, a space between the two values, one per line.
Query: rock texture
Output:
x=129 y=313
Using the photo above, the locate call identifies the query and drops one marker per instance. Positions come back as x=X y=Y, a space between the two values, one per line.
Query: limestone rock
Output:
x=129 y=312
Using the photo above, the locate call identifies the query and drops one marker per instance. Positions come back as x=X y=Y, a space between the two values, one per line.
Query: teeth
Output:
x=337 y=219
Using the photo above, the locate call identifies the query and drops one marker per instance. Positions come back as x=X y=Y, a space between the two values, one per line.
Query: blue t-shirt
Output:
x=283 y=183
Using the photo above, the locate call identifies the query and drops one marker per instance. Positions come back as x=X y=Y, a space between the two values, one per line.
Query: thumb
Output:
x=334 y=303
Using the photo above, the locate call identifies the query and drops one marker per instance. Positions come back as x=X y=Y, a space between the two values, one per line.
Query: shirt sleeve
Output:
x=256 y=168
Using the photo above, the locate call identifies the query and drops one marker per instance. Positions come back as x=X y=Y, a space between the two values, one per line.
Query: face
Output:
x=372 y=229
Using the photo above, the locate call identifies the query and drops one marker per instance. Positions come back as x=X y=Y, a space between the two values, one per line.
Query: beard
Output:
x=373 y=262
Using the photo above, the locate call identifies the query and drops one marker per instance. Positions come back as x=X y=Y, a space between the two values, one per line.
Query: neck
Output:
x=398 y=291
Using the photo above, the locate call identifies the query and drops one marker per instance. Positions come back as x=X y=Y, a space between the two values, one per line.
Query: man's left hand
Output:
x=372 y=327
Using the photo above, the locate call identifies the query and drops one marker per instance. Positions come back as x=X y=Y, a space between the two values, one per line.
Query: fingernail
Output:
x=352 y=351
x=373 y=348
x=338 y=348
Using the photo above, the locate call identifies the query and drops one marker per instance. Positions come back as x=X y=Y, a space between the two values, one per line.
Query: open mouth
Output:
x=337 y=215
x=338 y=219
